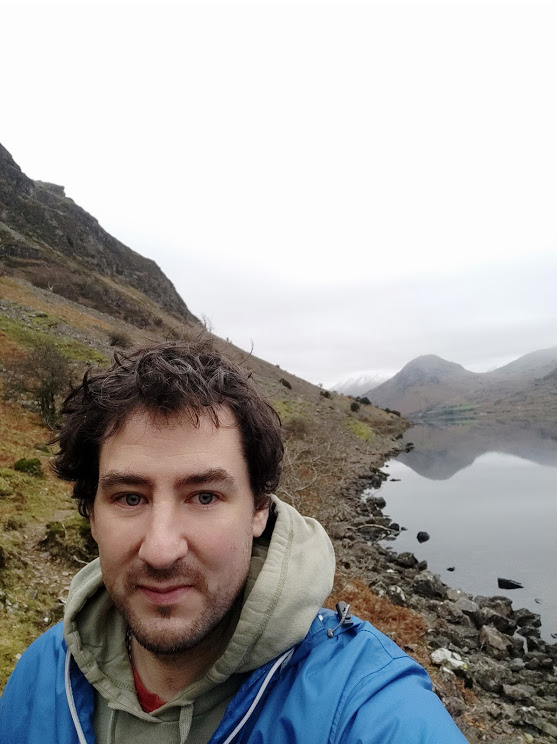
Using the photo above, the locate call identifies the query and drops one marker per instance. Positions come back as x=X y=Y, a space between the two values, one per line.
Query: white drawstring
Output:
x=71 y=703
x=284 y=658
x=81 y=736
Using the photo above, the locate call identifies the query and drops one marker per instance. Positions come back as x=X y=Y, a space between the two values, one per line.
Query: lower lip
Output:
x=165 y=598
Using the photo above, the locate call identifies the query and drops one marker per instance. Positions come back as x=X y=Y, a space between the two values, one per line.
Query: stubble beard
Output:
x=165 y=634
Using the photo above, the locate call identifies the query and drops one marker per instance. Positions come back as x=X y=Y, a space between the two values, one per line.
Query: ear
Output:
x=259 y=523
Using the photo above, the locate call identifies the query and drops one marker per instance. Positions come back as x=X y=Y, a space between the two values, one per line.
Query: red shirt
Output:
x=148 y=700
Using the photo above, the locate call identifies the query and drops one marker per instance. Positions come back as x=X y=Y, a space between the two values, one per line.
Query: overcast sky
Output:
x=346 y=185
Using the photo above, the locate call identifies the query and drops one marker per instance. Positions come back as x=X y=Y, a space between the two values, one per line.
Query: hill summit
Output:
x=422 y=383
x=47 y=239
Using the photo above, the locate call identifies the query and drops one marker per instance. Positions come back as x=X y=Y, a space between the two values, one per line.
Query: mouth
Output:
x=164 y=594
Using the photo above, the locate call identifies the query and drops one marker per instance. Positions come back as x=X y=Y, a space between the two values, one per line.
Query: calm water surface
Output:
x=490 y=514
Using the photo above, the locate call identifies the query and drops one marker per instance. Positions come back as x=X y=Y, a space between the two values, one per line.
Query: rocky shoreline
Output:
x=477 y=644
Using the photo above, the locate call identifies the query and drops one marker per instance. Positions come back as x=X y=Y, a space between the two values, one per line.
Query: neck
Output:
x=166 y=675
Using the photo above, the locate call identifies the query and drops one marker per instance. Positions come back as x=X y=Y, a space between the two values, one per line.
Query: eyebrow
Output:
x=211 y=475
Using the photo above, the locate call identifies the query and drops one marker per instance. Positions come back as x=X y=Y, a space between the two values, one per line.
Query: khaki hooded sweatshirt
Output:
x=289 y=578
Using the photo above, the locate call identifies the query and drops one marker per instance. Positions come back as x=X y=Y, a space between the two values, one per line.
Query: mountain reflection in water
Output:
x=487 y=495
x=441 y=451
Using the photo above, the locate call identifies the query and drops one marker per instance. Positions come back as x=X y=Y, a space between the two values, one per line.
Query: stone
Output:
x=529 y=631
x=535 y=720
x=444 y=657
x=488 y=674
x=496 y=644
x=519 y=693
x=538 y=660
x=464 y=638
x=502 y=605
x=377 y=501
x=487 y=616
x=451 y=613
x=396 y=595
x=406 y=560
x=422 y=537
x=526 y=617
x=466 y=605
x=535 y=644
x=338 y=532
x=427 y=584
x=509 y=584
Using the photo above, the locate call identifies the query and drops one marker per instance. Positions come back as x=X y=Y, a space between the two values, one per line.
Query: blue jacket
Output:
x=356 y=687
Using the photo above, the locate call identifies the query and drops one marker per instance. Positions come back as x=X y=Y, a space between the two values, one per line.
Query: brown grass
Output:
x=406 y=627
x=21 y=431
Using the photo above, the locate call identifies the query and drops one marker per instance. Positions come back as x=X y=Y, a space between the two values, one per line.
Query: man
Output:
x=201 y=618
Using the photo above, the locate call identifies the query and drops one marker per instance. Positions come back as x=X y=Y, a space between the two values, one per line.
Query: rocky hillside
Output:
x=433 y=388
x=47 y=239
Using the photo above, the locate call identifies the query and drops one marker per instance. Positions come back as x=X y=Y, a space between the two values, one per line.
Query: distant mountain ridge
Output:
x=357 y=385
x=47 y=239
x=430 y=386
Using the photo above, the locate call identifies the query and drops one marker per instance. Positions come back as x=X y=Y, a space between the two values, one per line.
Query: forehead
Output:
x=181 y=430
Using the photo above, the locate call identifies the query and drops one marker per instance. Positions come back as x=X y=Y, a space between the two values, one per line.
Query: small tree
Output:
x=46 y=375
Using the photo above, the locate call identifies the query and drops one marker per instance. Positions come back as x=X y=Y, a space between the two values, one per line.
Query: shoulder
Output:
x=42 y=658
x=356 y=643
x=35 y=694
x=34 y=707
x=363 y=688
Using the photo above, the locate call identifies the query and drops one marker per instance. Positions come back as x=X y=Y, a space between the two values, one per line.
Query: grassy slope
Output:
x=327 y=445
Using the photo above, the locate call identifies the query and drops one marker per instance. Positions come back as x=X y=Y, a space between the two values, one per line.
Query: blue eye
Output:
x=132 y=499
x=205 y=498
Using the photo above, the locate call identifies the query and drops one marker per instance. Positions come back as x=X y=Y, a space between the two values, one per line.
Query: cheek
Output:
x=113 y=539
x=228 y=552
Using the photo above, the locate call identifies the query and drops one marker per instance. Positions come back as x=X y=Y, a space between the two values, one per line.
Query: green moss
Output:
x=28 y=614
x=27 y=334
x=30 y=465
x=283 y=408
x=31 y=498
x=360 y=429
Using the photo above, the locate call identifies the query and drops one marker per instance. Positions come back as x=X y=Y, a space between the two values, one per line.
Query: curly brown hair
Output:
x=190 y=378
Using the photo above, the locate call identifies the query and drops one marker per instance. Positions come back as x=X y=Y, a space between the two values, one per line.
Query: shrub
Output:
x=297 y=427
x=325 y=393
x=365 y=401
x=120 y=339
x=285 y=383
x=45 y=374
x=70 y=539
x=29 y=465
x=354 y=406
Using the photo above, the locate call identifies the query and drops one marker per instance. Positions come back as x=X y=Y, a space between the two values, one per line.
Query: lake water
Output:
x=487 y=495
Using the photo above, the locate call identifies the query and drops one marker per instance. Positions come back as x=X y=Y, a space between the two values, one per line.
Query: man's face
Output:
x=174 y=520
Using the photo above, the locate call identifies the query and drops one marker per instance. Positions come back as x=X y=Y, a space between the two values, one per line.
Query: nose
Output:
x=164 y=541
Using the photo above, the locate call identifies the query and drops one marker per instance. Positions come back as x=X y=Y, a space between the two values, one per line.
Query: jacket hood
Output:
x=291 y=573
